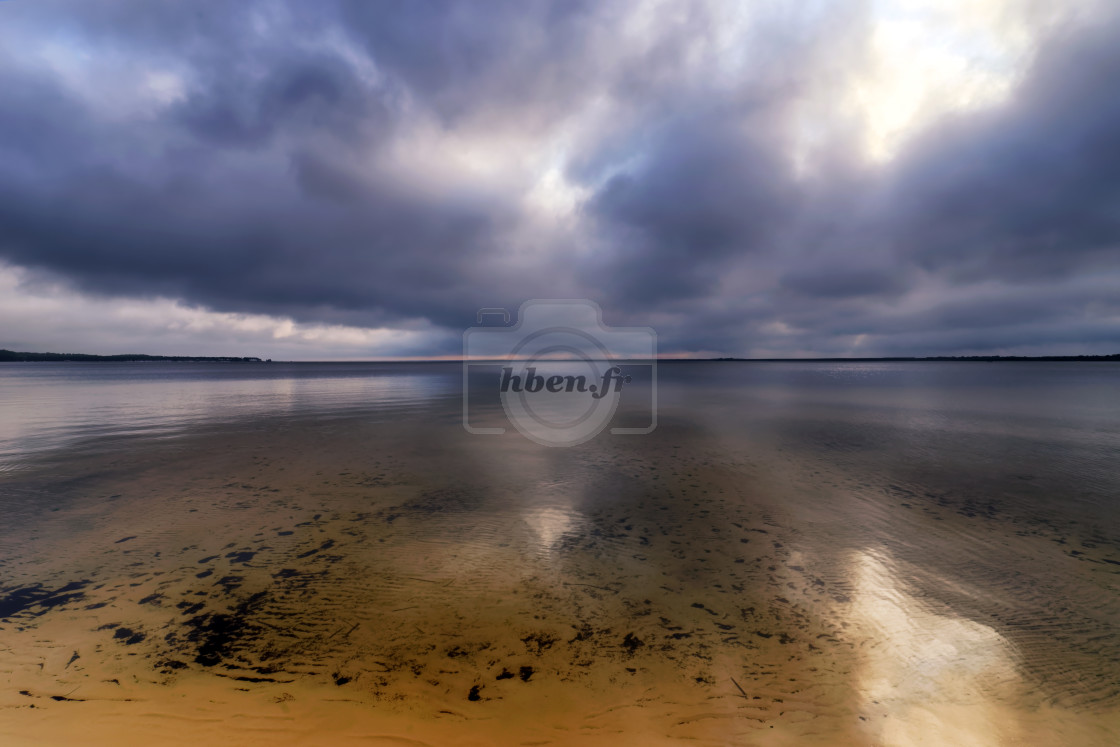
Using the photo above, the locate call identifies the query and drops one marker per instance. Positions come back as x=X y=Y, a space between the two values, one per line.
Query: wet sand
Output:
x=312 y=581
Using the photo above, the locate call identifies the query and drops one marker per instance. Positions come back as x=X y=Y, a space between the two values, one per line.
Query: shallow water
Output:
x=895 y=553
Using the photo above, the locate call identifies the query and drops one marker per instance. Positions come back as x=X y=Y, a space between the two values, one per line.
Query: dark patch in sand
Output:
x=538 y=643
x=325 y=546
x=190 y=609
x=218 y=635
x=632 y=643
x=37 y=596
x=129 y=636
x=169 y=665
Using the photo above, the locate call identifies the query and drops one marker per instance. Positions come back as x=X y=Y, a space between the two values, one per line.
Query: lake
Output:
x=800 y=553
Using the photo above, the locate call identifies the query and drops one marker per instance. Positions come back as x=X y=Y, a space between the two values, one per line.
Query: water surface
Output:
x=873 y=553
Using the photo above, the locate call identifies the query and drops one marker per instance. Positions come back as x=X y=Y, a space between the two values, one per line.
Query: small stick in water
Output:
x=736 y=684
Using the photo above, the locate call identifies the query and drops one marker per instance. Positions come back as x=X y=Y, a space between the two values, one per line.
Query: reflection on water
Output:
x=550 y=525
x=932 y=677
x=43 y=406
x=879 y=554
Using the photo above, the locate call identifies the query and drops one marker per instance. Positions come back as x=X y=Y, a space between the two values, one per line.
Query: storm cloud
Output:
x=740 y=179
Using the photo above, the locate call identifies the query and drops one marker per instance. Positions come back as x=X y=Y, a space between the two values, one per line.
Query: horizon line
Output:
x=10 y=356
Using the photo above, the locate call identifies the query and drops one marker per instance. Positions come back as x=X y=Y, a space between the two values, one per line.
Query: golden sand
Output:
x=345 y=582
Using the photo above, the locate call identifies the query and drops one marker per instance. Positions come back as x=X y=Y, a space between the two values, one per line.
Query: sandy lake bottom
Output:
x=813 y=578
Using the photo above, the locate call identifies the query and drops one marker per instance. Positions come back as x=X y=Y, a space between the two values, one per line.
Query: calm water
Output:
x=49 y=406
x=1071 y=408
x=874 y=553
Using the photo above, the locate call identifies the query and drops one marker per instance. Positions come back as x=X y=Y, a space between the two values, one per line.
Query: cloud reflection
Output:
x=551 y=524
x=928 y=677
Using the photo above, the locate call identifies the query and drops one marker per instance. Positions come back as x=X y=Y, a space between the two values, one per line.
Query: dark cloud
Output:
x=379 y=164
x=260 y=190
x=1027 y=190
x=704 y=192
x=844 y=281
x=304 y=96
x=463 y=60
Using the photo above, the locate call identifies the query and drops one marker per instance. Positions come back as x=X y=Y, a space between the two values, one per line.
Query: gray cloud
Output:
x=380 y=165
x=1027 y=190
x=704 y=194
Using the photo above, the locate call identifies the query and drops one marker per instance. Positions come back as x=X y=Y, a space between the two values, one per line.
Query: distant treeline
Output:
x=983 y=358
x=9 y=355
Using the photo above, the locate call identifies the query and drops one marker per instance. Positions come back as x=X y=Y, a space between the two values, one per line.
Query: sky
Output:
x=348 y=179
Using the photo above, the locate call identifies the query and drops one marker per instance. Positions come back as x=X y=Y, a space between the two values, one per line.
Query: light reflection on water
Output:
x=550 y=525
x=928 y=677
x=46 y=406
